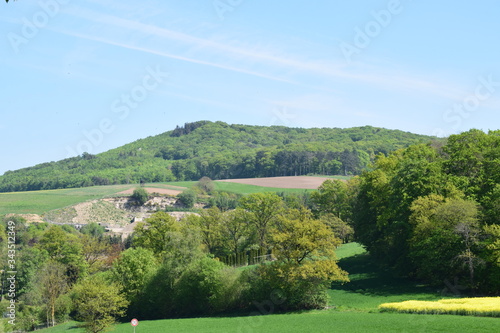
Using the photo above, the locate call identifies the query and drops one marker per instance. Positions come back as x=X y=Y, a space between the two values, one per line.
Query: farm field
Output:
x=39 y=202
x=353 y=308
x=299 y=182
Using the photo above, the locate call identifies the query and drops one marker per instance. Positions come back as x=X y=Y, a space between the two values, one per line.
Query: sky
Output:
x=89 y=76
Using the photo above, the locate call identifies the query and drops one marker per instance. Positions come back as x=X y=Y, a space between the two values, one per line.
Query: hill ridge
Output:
x=220 y=151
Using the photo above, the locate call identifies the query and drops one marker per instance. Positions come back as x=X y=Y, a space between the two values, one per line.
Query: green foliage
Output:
x=305 y=263
x=423 y=209
x=93 y=229
x=133 y=270
x=95 y=251
x=98 y=303
x=140 y=196
x=262 y=209
x=156 y=232
x=206 y=185
x=200 y=289
x=52 y=283
x=31 y=259
x=217 y=150
x=224 y=200
x=340 y=229
x=187 y=198
x=332 y=198
x=210 y=223
x=66 y=249
x=354 y=308
x=157 y=300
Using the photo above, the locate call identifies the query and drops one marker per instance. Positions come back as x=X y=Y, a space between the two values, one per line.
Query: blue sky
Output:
x=93 y=75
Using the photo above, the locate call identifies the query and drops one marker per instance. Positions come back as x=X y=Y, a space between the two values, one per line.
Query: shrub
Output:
x=266 y=284
x=140 y=196
x=200 y=289
x=206 y=185
x=187 y=198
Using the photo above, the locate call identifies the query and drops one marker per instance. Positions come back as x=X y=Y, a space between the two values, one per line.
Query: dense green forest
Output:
x=219 y=151
x=432 y=211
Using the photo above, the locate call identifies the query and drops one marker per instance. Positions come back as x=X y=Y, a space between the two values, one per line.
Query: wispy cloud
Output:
x=244 y=59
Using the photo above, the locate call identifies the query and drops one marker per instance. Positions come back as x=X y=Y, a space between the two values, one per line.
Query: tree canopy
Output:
x=432 y=211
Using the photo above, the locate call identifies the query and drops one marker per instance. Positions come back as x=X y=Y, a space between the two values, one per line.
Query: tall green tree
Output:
x=156 y=232
x=98 y=303
x=53 y=283
x=262 y=211
x=235 y=230
x=65 y=248
x=133 y=270
x=305 y=262
x=332 y=198
x=210 y=224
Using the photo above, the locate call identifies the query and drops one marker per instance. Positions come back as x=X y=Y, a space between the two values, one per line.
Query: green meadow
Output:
x=353 y=308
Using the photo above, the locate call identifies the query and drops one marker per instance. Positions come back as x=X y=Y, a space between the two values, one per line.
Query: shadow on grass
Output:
x=367 y=278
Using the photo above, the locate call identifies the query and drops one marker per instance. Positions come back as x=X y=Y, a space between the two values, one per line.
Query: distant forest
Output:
x=219 y=151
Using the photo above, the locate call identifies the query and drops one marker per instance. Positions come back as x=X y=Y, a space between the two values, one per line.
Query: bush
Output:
x=140 y=196
x=200 y=288
x=93 y=229
x=206 y=185
x=187 y=198
x=267 y=285
x=224 y=200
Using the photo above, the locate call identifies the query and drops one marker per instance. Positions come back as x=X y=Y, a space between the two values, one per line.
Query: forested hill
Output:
x=219 y=151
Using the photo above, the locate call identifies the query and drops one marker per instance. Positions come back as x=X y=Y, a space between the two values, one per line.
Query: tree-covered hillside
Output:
x=218 y=150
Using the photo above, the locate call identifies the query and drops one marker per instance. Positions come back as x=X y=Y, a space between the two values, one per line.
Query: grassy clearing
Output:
x=480 y=306
x=370 y=286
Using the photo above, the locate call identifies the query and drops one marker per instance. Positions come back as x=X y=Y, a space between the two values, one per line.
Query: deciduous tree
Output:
x=98 y=303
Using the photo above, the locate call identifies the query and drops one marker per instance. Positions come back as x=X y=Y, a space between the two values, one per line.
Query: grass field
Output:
x=353 y=309
x=313 y=321
x=39 y=202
